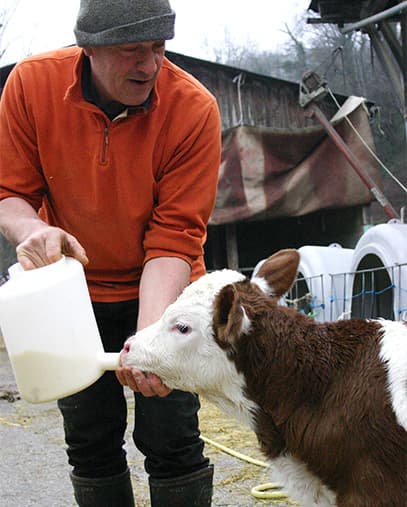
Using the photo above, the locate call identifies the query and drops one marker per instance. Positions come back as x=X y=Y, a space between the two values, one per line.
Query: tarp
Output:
x=270 y=173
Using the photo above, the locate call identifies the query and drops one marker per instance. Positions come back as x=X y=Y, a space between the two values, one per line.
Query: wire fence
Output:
x=379 y=292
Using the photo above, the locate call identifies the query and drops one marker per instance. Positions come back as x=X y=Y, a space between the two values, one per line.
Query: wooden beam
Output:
x=232 y=253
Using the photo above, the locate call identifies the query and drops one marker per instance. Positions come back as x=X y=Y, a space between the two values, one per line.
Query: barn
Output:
x=283 y=182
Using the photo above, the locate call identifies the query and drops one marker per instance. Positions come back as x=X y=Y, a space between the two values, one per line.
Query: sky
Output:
x=41 y=25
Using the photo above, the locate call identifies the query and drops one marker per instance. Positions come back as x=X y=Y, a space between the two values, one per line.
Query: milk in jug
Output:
x=50 y=331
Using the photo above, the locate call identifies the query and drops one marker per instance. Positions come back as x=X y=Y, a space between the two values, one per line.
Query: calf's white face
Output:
x=180 y=347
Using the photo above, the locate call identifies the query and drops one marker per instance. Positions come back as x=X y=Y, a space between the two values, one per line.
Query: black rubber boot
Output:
x=114 y=491
x=192 y=490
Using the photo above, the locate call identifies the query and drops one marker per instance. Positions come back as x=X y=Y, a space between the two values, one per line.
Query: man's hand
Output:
x=147 y=384
x=37 y=243
x=47 y=245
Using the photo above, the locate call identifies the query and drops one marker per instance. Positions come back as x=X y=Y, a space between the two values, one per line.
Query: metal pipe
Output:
x=375 y=18
x=313 y=110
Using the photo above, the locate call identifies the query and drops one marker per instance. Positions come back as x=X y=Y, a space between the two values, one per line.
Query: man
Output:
x=109 y=153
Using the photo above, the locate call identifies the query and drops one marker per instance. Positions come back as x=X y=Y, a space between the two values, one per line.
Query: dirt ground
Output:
x=34 y=472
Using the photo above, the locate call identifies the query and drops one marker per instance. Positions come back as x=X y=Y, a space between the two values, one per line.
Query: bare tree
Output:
x=6 y=14
x=299 y=51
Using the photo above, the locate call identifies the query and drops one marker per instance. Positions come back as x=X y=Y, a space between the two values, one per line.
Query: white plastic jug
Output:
x=50 y=331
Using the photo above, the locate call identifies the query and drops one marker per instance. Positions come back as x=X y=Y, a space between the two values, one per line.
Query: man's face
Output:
x=126 y=73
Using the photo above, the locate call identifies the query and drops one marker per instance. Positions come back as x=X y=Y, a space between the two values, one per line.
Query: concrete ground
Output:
x=34 y=471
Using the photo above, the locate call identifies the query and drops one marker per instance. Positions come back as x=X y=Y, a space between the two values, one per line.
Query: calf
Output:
x=328 y=402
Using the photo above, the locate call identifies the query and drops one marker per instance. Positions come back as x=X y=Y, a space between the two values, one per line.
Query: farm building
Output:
x=283 y=182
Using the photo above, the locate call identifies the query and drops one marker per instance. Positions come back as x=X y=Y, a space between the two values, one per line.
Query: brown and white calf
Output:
x=328 y=401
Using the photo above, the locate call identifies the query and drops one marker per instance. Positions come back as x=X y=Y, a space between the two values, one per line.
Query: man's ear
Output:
x=228 y=317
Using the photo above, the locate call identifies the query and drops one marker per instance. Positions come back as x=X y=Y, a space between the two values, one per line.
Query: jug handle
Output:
x=109 y=360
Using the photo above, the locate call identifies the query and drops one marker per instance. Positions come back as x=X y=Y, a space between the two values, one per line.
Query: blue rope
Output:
x=312 y=308
x=365 y=292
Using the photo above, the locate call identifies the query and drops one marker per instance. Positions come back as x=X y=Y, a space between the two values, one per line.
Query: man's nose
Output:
x=147 y=64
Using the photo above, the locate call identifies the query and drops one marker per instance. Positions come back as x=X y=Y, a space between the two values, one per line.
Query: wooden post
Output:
x=232 y=254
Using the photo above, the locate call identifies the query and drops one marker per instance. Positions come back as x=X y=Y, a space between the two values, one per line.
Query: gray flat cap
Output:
x=107 y=23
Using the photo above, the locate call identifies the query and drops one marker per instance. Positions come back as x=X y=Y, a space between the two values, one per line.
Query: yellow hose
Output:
x=262 y=492
x=235 y=453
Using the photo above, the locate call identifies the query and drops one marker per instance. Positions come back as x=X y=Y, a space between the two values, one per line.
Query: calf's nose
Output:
x=123 y=353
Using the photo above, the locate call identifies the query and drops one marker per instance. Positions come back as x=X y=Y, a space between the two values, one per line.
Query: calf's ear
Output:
x=280 y=271
x=228 y=317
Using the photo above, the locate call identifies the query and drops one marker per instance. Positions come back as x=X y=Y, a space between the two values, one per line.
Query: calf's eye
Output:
x=182 y=328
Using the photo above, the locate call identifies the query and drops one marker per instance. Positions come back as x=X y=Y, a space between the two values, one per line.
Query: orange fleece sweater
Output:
x=132 y=189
